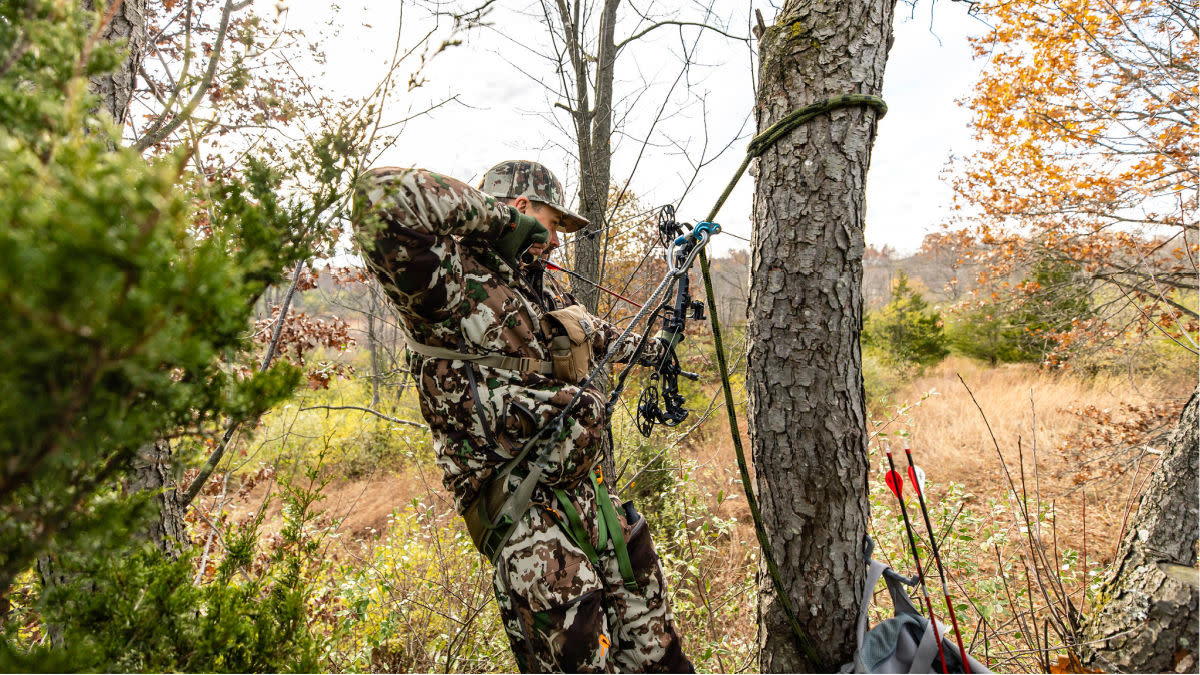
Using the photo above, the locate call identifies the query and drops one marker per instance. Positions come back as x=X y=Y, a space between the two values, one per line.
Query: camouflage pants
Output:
x=562 y=614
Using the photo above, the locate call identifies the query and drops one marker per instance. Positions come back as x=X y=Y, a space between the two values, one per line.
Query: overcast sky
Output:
x=503 y=113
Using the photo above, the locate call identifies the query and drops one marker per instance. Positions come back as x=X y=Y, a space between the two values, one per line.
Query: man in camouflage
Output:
x=577 y=578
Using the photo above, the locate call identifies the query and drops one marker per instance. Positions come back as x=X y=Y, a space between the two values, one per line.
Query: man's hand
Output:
x=668 y=340
x=526 y=230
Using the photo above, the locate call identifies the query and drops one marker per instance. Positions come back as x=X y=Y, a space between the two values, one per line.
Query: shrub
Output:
x=906 y=328
x=1024 y=327
x=119 y=310
x=988 y=335
x=138 y=610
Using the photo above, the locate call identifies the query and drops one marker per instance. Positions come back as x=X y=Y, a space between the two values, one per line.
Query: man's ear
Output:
x=521 y=204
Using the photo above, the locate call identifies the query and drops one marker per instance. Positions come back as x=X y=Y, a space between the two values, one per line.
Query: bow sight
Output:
x=667 y=407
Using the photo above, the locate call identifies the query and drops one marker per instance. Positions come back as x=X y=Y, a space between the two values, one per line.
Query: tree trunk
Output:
x=116 y=88
x=152 y=465
x=593 y=131
x=151 y=472
x=1146 y=618
x=807 y=419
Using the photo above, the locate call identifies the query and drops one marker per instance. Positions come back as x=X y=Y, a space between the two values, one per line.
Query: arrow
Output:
x=916 y=475
x=918 y=480
x=895 y=483
x=584 y=279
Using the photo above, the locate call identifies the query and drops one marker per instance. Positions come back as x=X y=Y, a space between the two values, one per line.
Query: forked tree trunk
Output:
x=1146 y=618
x=807 y=417
x=593 y=132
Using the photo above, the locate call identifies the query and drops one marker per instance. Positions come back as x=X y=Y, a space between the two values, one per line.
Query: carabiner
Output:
x=703 y=226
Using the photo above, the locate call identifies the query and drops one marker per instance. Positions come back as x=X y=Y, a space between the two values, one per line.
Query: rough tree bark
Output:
x=151 y=468
x=151 y=471
x=116 y=88
x=807 y=419
x=126 y=22
x=1146 y=619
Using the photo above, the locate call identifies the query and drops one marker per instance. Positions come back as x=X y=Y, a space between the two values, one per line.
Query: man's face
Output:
x=546 y=215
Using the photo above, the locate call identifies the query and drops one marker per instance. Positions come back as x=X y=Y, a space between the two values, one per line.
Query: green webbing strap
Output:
x=607 y=525
x=575 y=529
x=608 y=516
x=757 y=146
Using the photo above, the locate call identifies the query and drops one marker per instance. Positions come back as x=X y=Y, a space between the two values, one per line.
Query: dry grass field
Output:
x=1064 y=438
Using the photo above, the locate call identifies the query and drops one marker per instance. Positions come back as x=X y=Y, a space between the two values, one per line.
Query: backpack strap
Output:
x=927 y=650
x=874 y=571
x=522 y=364
x=575 y=530
x=608 y=518
x=895 y=584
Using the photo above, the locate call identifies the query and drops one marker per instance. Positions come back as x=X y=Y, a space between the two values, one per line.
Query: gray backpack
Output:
x=905 y=642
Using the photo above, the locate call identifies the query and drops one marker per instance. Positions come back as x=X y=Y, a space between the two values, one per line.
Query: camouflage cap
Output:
x=523 y=178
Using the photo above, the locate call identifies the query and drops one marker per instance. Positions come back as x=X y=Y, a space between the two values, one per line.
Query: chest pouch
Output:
x=569 y=330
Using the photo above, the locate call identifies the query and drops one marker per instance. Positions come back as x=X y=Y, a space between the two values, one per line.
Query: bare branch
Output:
x=215 y=458
x=376 y=413
x=660 y=24
x=157 y=133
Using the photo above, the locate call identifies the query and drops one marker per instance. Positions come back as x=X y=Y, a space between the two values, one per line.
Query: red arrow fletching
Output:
x=917 y=477
x=894 y=482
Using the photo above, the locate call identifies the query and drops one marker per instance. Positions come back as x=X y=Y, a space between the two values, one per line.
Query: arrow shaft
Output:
x=937 y=559
x=912 y=542
x=586 y=280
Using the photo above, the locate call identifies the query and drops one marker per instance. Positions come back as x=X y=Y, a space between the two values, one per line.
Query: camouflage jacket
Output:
x=426 y=237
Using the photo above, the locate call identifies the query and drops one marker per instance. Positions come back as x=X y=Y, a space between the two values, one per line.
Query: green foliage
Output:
x=140 y=611
x=906 y=329
x=649 y=474
x=359 y=444
x=987 y=334
x=710 y=575
x=422 y=602
x=1023 y=329
x=881 y=378
x=1054 y=303
x=125 y=298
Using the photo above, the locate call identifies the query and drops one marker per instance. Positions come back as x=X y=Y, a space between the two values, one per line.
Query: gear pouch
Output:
x=570 y=347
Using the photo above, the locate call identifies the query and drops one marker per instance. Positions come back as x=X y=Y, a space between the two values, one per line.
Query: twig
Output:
x=215 y=457
x=162 y=127
x=366 y=410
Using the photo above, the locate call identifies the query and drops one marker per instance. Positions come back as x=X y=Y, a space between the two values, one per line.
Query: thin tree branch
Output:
x=215 y=458
x=162 y=129
x=660 y=24
x=376 y=413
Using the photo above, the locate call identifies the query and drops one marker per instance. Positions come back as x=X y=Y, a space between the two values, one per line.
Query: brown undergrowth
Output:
x=404 y=590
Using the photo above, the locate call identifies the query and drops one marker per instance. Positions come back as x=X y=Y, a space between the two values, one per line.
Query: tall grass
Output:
x=404 y=589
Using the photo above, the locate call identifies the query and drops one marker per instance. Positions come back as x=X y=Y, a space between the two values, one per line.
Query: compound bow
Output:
x=661 y=402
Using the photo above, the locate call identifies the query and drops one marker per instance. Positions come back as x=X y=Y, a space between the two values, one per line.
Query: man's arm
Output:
x=404 y=220
x=606 y=335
